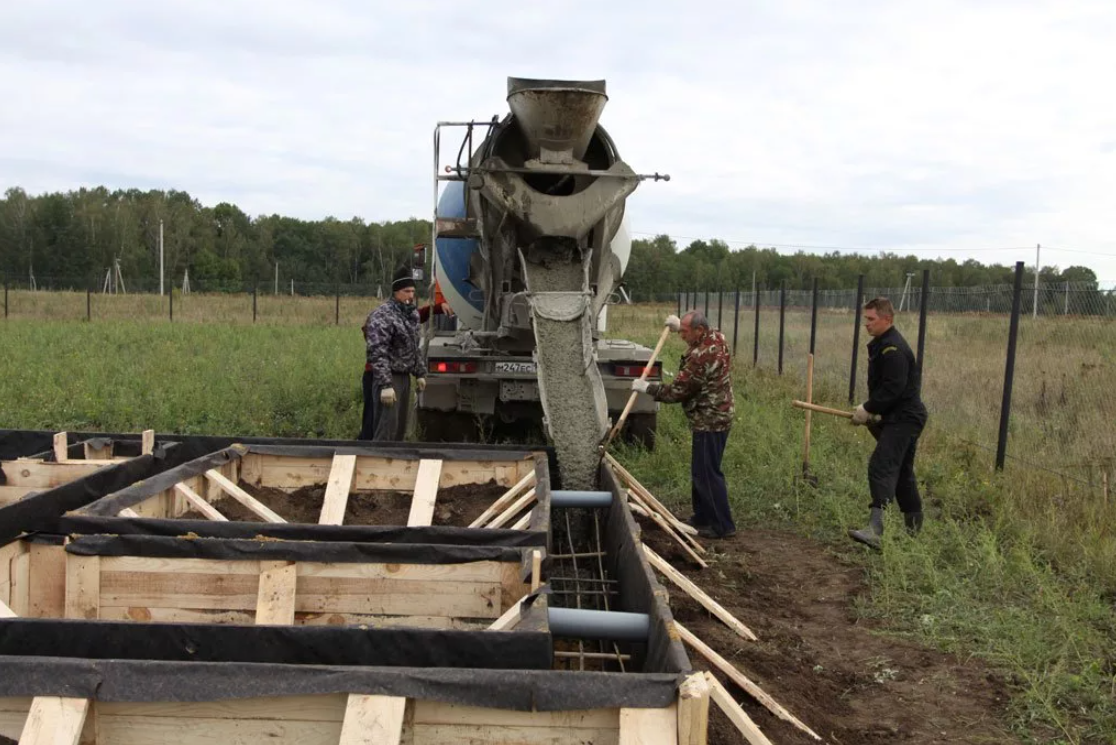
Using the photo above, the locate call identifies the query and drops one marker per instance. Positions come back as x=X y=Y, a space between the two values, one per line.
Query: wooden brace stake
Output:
x=697 y=594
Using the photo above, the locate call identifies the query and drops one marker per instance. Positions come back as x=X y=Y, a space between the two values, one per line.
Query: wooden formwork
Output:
x=65 y=462
x=61 y=577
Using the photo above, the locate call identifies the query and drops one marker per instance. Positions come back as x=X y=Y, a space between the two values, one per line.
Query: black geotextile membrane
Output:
x=628 y=564
x=289 y=645
x=170 y=527
x=234 y=549
x=147 y=680
x=40 y=511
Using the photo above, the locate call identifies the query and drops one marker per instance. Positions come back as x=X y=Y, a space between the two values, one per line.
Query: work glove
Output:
x=640 y=386
x=420 y=384
x=673 y=322
x=387 y=396
x=860 y=416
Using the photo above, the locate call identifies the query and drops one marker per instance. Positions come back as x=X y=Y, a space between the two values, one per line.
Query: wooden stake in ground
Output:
x=741 y=680
x=711 y=605
x=648 y=497
x=662 y=523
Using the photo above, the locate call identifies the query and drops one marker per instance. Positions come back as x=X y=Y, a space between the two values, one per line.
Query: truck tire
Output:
x=640 y=429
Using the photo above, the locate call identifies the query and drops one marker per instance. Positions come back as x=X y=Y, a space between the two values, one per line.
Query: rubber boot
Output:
x=870 y=536
x=913 y=521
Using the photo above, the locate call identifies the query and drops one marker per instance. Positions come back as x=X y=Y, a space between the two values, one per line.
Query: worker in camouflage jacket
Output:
x=895 y=416
x=704 y=388
x=391 y=335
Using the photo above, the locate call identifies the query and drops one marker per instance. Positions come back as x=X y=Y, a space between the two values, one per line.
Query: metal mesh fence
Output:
x=1063 y=404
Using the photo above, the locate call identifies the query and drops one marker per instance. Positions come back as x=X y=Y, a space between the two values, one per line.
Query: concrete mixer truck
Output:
x=530 y=245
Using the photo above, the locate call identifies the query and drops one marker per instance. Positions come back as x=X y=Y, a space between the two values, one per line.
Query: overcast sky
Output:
x=945 y=129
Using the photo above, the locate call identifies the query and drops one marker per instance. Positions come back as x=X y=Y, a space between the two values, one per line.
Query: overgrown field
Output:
x=1015 y=568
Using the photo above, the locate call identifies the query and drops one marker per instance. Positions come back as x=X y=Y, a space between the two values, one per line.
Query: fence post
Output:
x=736 y=321
x=782 y=320
x=706 y=293
x=89 y=301
x=814 y=317
x=755 y=340
x=856 y=336
x=337 y=307
x=924 y=306
x=720 y=310
x=1009 y=370
x=170 y=300
x=679 y=304
x=254 y=288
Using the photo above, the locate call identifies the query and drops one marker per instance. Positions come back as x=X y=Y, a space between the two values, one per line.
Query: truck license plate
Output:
x=516 y=368
x=519 y=390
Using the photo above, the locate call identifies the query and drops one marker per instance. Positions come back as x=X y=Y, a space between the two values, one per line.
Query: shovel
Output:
x=632 y=398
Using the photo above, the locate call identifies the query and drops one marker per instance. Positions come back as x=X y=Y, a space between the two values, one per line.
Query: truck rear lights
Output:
x=454 y=367
x=635 y=370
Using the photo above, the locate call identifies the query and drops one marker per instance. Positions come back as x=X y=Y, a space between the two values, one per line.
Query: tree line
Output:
x=73 y=238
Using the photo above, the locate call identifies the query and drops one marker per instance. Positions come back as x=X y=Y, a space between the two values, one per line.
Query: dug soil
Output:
x=837 y=674
x=455 y=505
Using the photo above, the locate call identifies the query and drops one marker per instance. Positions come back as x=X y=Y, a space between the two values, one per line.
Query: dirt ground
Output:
x=847 y=683
x=455 y=505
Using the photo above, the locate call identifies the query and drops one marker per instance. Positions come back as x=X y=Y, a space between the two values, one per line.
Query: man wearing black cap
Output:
x=391 y=335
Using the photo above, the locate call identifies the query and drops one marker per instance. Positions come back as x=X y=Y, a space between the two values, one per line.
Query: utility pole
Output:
x=160 y=258
x=1034 y=311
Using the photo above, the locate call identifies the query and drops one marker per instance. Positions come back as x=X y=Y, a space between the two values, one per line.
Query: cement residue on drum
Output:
x=570 y=389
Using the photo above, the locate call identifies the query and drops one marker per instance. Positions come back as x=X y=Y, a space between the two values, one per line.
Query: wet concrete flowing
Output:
x=572 y=392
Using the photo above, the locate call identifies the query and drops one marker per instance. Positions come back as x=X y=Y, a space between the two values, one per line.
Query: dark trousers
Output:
x=891 y=467
x=708 y=491
x=385 y=423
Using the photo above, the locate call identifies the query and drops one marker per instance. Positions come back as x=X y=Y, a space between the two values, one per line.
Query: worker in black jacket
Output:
x=895 y=416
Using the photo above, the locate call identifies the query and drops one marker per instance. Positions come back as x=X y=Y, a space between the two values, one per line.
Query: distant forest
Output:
x=73 y=238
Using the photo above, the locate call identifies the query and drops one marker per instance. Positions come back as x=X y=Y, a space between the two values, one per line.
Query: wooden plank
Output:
x=12 y=494
x=83 y=586
x=445 y=734
x=316 y=595
x=92 y=453
x=337 y=490
x=147 y=442
x=46 y=581
x=242 y=496
x=248 y=618
x=19 y=594
x=54 y=721
x=536 y=569
x=524 y=522
x=373 y=720
x=42 y=475
x=662 y=523
x=735 y=713
x=426 y=492
x=275 y=605
x=741 y=680
x=195 y=500
x=427 y=711
x=476 y=571
x=380 y=473
x=507 y=621
x=128 y=512
x=513 y=510
x=693 y=710
x=140 y=730
x=649 y=726
x=61 y=446
x=711 y=605
x=504 y=500
x=649 y=498
x=6 y=612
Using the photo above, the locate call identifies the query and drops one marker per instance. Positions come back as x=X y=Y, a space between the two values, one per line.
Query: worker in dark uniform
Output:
x=704 y=388
x=392 y=354
x=895 y=416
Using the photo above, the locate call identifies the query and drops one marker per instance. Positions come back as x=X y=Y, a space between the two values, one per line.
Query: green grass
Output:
x=1000 y=571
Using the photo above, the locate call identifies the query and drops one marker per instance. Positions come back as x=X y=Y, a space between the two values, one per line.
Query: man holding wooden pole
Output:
x=704 y=388
x=894 y=396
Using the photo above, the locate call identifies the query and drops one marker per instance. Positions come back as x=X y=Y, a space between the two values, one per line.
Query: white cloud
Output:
x=881 y=125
